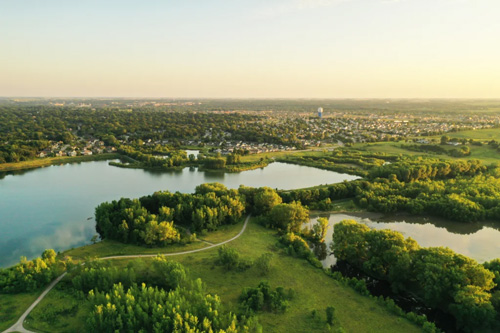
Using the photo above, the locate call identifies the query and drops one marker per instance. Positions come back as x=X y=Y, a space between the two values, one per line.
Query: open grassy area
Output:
x=223 y=233
x=58 y=312
x=13 y=306
x=314 y=291
x=484 y=153
x=109 y=247
x=393 y=148
x=480 y=135
x=41 y=162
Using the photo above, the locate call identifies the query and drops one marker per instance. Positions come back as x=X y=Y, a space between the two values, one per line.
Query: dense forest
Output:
x=457 y=190
x=150 y=220
x=438 y=276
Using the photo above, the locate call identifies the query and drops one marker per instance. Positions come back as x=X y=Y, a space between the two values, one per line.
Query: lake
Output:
x=53 y=207
x=479 y=241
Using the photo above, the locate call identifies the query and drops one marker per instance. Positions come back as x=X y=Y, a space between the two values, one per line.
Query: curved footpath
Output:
x=18 y=326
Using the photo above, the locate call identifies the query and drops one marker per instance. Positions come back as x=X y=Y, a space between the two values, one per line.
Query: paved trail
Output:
x=18 y=326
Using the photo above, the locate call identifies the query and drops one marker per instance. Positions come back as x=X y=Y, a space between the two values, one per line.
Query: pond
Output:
x=480 y=241
x=53 y=207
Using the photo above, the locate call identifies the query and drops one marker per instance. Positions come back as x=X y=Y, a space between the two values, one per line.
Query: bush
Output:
x=330 y=315
x=230 y=259
x=263 y=263
x=263 y=298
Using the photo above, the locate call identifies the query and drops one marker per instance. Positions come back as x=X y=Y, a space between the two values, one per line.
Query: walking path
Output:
x=18 y=326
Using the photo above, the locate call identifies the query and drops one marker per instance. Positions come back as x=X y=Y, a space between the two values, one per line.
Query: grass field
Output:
x=483 y=134
x=314 y=291
x=13 y=306
x=58 y=312
x=108 y=247
x=484 y=153
x=41 y=162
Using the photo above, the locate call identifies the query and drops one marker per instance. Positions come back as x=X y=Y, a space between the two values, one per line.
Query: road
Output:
x=18 y=326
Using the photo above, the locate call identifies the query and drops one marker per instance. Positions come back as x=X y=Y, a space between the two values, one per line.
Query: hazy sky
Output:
x=255 y=48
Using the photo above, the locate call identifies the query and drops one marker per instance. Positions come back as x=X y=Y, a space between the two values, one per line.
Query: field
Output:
x=314 y=291
x=484 y=153
x=483 y=134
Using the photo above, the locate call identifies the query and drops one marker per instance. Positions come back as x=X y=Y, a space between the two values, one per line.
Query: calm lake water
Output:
x=480 y=241
x=53 y=207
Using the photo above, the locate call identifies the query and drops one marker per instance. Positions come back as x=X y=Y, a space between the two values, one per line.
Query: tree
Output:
x=172 y=274
x=445 y=139
x=265 y=199
x=320 y=229
x=289 y=217
x=49 y=256
x=94 y=239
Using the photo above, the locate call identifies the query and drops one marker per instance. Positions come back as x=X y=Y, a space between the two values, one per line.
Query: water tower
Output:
x=320 y=112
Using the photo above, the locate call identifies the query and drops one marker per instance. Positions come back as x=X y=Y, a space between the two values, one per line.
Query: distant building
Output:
x=320 y=112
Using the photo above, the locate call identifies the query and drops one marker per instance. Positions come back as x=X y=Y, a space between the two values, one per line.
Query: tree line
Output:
x=30 y=275
x=151 y=220
x=464 y=191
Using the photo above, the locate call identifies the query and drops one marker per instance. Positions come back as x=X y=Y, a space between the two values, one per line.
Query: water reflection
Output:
x=57 y=237
x=450 y=226
x=478 y=241
x=320 y=251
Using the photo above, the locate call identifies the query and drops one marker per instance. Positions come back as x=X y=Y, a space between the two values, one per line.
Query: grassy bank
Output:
x=314 y=291
x=41 y=162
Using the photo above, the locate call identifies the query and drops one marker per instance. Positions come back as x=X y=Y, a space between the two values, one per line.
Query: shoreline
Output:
x=48 y=161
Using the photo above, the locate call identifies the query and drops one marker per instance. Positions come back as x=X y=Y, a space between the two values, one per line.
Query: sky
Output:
x=250 y=49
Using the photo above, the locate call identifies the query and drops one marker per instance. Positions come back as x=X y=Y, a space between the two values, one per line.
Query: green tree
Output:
x=265 y=199
x=289 y=217
x=320 y=229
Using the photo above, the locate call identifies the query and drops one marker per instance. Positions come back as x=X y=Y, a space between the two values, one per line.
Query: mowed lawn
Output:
x=314 y=291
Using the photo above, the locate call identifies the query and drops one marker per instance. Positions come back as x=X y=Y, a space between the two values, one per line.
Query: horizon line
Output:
x=253 y=98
